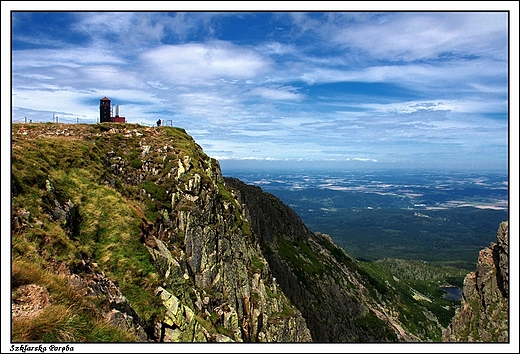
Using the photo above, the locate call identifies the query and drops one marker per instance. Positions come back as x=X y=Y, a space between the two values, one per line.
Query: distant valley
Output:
x=443 y=217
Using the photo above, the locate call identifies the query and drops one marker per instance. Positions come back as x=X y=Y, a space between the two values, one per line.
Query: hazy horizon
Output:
x=229 y=166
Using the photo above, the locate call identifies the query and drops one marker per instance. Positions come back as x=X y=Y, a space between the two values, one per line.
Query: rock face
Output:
x=317 y=276
x=483 y=314
x=119 y=311
x=211 y=264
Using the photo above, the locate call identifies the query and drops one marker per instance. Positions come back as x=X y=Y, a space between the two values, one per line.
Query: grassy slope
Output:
x=413 y=290
x=108 y=234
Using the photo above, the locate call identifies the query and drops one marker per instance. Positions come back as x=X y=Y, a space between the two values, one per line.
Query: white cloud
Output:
x=212 y=105
x=364 y=159
x=107 y=77
x=459 y=76
x=132 y=30
x=49 y=101
x=37 y=76
x=247 y=158
x=412 y=106
x=71 y=57
x=202 y=63
x=158 y=85
x=277 y=48
x=408 y=37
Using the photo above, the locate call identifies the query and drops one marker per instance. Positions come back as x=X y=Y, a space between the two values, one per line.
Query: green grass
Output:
x=257 y=266
x=300 y=257
x=225 y=194
x=110 y=234
x=240 y=222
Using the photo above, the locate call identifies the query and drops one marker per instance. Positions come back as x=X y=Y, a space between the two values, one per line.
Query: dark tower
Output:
x=104 y=110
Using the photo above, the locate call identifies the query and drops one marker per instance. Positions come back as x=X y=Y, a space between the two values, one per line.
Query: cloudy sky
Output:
x=371 y=89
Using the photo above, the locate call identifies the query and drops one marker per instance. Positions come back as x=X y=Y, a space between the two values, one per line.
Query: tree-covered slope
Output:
x=342 y=299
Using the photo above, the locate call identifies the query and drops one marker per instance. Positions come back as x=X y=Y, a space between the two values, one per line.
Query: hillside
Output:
x=125 y=233
x=344 y=300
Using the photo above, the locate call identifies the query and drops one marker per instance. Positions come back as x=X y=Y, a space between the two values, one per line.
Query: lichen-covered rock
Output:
x=209 y=260
x=483 y=314
x=501 y=252
x=179 y=323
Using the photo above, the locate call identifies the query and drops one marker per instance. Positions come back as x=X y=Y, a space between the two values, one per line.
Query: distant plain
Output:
x=440 y=217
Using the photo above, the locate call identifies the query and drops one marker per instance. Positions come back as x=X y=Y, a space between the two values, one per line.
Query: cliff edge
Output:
x=483 y=314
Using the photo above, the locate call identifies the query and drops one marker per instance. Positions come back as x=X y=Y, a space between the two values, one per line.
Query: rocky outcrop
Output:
x=61 y=208
x=213 y=269
x=117 y=309
x=483 y=314
x=216 y=286
x=316 y=275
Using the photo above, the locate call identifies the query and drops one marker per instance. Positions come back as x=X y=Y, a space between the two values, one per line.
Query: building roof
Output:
x=105 y=99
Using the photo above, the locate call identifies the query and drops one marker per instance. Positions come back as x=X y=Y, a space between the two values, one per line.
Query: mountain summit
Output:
x=124 y=233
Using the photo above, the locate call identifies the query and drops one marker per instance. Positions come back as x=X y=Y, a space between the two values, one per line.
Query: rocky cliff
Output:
x=325 y=284
x=138 y=224
x=125 y=233
x=484 y=311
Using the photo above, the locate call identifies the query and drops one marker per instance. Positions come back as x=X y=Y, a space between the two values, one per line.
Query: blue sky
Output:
x=336 y=88
x=293 y=89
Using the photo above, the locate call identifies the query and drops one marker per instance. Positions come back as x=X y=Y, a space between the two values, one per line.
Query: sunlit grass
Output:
x=110 y=230
x=108 y=234
x=68 y=318
x=59 y=323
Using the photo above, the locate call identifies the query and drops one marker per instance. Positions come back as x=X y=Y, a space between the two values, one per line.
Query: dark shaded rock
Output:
x=62 y=209
x=316 y=275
